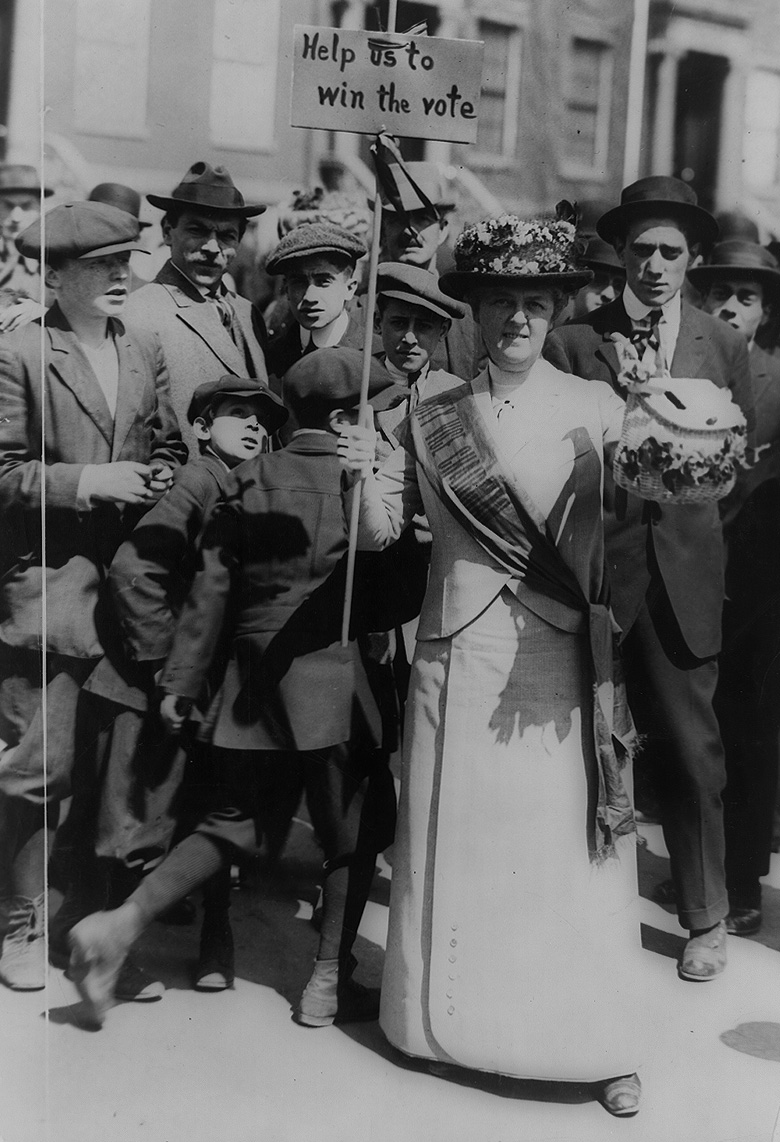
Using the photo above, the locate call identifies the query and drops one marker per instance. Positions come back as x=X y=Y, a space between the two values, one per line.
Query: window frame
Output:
x=597 y=171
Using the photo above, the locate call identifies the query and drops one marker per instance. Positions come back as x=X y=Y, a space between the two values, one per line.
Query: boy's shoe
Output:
x=743 y=921
x=704 y=956
x=327 y=1000
x=23 y=958
x=215 y=970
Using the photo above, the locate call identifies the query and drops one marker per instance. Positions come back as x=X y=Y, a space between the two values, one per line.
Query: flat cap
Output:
x=418 y=287
x=311 y=239
x=81 y=230
x=332 y=377
x=271 y=410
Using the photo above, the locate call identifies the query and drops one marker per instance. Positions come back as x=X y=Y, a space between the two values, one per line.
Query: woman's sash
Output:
x=449 y=440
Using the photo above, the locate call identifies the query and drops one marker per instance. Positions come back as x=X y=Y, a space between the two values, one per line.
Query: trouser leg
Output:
x=673 y=706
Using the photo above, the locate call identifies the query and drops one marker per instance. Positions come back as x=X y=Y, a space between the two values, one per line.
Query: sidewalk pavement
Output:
x=233 y=1066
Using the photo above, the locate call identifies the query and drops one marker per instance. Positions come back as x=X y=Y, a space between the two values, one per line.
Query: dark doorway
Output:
x=698 y=123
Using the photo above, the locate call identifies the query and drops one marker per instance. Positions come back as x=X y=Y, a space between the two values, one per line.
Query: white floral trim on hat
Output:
x=509 y=245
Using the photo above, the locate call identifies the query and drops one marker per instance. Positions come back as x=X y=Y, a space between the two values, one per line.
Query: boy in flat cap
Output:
x=317 y=261
x=206 y=330
x=89 y=432
x=293 y=699
x=740 y=285
x=666 y=562
x=107 y=840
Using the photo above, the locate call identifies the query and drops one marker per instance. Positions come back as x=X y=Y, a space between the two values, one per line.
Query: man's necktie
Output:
x=224 y=311
x=646 y=335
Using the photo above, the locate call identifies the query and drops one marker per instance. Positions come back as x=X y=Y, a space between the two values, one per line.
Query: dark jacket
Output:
x=685 y=541
x=54 y=393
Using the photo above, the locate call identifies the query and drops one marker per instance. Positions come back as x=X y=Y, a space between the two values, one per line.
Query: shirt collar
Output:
x=328 y=335
x=638 y=311
x=401 y=377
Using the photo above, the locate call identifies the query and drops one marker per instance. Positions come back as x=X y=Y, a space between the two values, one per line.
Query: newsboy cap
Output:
x=739 y=260
x=80 y=230
x=660 y=196
x=273 y=414
x=313 y=238
x=418 y=287
x=331 y=378
x=209 y=188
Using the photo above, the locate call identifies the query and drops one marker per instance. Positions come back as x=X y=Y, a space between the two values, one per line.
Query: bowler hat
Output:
x=735 y=224
x=601 y=257
x=273 y=414
x=208 y=188
x=428 y=178
x=118 y=195
x=331 y=378
x=739 y=260
x=658 y=196
x=313 y=238
x=80 y=230
x=16 y=178
x=418 y=287
x=514 y=251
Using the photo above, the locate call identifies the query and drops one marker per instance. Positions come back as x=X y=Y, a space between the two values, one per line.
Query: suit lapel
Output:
x=72 y=368
x=202 y=318
x=611 y=319
x=690 y=352
x=130 y=390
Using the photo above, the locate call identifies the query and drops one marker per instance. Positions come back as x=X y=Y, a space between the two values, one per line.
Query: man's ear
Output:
x=166 y=232
x=201 y=428
x=769 y=310
x=446 y=325
x=339 y=416
x=694 y=255
x=353 y=283
x=52 y=278
x=619 y=246
x=444 y=228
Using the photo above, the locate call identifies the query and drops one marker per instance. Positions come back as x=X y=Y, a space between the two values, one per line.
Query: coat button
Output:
x=451 y=959
x=450 y=1010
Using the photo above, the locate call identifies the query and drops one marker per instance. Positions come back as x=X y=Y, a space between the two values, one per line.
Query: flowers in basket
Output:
x=682 y=436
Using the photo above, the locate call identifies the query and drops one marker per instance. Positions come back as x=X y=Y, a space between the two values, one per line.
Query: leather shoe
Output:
x=743 y=921
x=704 y=956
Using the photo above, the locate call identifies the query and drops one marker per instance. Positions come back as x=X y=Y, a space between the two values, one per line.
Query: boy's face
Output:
x=236 y=432
x=739 y=302
x=318 y=289
x=410 y=334
x=87 y=288
x=18 y=210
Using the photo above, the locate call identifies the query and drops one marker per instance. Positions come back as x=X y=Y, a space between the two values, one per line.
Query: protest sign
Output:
x=419 y=86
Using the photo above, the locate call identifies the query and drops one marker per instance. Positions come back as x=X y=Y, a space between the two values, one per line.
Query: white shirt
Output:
x=329 y=336
x=402 y=378
x=668 y=326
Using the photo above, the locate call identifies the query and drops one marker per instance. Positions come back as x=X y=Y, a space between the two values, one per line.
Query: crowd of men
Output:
x=174 y=541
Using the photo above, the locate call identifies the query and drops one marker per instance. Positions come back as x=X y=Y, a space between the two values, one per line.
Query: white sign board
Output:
x=412 y=86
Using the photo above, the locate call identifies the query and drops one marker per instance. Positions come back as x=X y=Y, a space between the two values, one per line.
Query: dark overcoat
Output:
x=685 y=541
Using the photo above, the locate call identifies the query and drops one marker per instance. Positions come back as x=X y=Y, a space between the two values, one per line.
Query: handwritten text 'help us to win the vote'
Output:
x=450 y=104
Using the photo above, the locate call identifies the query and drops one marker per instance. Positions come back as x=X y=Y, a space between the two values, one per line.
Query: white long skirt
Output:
x=508 y=951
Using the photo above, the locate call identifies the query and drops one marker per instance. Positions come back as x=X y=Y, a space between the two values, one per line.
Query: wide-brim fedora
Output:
x=658 y=196
x=208 y=188
x=739 y=260
x=18 y=178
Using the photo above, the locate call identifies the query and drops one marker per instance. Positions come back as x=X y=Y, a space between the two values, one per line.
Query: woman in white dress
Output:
x=514 y=933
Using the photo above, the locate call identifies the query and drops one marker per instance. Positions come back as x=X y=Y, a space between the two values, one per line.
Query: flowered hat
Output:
x=536 y=251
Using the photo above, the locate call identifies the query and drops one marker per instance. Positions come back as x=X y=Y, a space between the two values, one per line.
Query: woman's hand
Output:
x=356 y=449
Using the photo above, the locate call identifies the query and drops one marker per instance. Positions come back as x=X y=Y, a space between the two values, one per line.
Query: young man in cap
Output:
x=123 y=813
x=414 y=235
x=88 y=432
x=609 y=278
x=293 y=699
x=740 y=285
x=666 y=563
x=317 y=261
x=20 y=280
x=205 y=329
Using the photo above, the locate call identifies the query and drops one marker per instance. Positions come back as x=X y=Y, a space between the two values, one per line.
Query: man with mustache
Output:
x=206 y=330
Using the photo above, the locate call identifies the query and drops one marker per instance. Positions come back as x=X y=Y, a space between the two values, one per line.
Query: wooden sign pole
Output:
x=363 y=411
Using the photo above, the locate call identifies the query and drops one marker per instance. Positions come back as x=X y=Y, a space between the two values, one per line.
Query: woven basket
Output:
x=641 y=424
